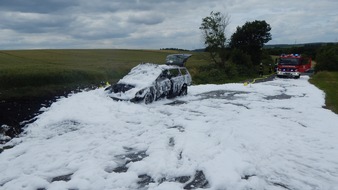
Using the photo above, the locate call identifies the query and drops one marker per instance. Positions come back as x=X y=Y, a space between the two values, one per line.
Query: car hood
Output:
x=142 y=75
x=122 y=91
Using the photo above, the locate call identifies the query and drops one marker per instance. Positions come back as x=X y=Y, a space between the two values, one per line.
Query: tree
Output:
x=250 y=38
x=213 y=31
x=327 y=58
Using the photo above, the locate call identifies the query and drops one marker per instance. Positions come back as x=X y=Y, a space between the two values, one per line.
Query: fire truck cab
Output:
x=292 y=65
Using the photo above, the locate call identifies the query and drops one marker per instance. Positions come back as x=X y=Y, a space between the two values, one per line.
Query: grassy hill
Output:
x=31 y=73
x=328 y=81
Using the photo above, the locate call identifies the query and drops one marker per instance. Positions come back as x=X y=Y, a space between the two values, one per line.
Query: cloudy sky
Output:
x=154 y=24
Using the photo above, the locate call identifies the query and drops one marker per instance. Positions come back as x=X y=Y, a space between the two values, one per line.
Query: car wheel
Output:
x=148 y=98
x=184 y=91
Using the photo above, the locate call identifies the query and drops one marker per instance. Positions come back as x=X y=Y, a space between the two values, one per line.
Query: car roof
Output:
x=144 y=74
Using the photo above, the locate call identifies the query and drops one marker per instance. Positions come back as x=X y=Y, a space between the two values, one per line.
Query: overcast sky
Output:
x=154 y=24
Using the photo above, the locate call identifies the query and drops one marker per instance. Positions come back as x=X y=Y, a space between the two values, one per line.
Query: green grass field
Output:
x=32 y=73
x=328 y=82
x=36 y=73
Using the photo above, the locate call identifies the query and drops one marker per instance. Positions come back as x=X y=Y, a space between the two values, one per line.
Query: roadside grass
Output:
x=328 y=82
x=36 y=73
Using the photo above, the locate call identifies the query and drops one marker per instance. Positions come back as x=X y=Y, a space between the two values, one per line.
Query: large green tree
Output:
x=250 y=38
x=213 y=32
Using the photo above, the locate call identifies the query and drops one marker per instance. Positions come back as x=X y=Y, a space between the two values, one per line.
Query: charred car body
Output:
x=149 y=82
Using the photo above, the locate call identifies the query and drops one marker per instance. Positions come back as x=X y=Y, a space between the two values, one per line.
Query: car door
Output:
x=177 y=81
x=186 y=75
x=163 y=84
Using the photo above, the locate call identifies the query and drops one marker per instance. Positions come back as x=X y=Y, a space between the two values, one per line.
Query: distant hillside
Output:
x=271 y=46
x=317 y=44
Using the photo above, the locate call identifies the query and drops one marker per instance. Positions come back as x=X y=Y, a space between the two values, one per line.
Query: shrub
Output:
x=242 y=62
x=210 y=74
x=327 y=58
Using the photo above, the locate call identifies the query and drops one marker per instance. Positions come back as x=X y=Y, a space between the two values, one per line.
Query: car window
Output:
x=174 y=72
x=183 y=71
x=164 y=74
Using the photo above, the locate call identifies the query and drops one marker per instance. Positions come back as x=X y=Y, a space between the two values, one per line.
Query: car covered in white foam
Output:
x=149 y=82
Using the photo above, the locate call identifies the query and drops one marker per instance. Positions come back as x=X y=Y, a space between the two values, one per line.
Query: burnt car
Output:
x=149 y=82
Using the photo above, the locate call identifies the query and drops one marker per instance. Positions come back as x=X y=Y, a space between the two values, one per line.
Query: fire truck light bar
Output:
x=290 y=55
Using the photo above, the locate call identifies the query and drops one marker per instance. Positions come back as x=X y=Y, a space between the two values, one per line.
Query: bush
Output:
x=327 y=58
x=210 y=74
x=268 y=63
x=243 y=63
x=231 y=70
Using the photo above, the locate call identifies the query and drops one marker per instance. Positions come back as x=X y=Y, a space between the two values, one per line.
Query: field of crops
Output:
x=31 y=73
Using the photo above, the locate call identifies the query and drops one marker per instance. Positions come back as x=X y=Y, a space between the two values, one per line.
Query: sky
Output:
x=155 y=24
x=274 y=135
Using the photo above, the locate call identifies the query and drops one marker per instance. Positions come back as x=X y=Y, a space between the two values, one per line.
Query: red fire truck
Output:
x=292 y=65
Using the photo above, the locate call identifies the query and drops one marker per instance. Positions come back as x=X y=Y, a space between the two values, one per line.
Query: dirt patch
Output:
x=16 y=113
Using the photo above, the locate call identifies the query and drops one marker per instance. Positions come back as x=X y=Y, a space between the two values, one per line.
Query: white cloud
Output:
x=151 y=24
x=147 y=18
